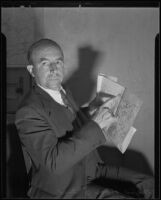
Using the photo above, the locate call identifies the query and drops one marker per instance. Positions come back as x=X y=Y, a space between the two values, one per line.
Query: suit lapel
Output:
x=60 y=116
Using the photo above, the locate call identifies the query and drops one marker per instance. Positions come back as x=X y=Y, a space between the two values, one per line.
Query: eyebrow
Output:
x=42 y=59
x=46 y=59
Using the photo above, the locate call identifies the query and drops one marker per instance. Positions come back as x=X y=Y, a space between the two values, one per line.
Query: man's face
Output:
x=48 y=67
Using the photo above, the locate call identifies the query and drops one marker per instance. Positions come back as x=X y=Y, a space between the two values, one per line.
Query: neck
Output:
x=54 y=89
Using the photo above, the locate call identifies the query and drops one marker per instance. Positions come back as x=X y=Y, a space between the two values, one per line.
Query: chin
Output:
x=54 y=87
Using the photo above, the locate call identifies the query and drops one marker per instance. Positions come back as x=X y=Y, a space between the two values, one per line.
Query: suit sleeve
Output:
x=143 y=183
x=55 y=154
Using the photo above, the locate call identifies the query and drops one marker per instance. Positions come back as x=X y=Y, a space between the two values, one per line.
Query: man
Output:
x=59 y=142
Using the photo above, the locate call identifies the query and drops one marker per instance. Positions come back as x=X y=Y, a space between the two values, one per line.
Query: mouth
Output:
x=52 y=77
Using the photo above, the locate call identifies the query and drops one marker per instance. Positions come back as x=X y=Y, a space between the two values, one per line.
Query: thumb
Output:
x=112 y=124
x=110 y=130
x=113 y=120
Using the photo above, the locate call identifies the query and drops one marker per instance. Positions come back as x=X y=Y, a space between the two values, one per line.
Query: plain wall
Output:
x=21 y=26
x=121 y=42
x=116 y=41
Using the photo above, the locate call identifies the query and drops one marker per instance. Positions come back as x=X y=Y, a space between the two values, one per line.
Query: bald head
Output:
x=40 y=45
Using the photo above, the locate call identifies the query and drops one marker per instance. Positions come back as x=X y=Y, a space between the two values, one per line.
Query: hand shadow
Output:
x=82 y=83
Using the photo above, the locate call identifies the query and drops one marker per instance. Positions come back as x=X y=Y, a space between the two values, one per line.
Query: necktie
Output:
x=73 y=107
x=66 y=101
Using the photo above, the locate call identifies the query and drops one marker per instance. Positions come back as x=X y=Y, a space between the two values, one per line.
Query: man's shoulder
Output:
x=30 y=106
x=31 y=99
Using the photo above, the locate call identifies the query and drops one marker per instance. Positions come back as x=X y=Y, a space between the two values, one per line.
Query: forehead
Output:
x=48 y=52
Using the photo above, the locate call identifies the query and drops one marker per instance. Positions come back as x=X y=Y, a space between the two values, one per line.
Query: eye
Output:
x=59 y=62
x=45 y=63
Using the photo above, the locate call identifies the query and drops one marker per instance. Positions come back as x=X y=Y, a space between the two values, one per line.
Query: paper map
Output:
x=126 y=110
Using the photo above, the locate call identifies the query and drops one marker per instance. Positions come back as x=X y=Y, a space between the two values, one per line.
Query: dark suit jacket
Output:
x=61 y=149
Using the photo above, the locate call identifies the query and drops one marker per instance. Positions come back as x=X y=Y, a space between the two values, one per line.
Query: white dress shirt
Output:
x=55 y=94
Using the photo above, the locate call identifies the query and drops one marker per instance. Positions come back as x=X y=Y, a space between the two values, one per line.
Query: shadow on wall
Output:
x=81 y=83
x=131 y=159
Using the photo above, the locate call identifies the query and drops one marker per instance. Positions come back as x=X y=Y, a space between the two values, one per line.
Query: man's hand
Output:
x=104 y=115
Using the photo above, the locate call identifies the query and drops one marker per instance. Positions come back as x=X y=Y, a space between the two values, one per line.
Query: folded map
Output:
x=126 y=110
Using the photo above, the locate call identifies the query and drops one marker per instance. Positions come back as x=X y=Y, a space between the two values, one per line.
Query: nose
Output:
x=53 y=67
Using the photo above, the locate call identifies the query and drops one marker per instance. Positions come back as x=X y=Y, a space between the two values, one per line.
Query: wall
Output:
x=21 y=26
x=115 y=41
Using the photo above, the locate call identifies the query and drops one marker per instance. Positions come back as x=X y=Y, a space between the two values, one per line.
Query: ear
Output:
x=30 y=69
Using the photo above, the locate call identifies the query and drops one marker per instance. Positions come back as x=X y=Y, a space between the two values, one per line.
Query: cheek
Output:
x=62 y=71
x=42 y=76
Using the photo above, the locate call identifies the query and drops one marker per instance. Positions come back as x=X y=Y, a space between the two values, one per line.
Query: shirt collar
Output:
x=55 y=94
